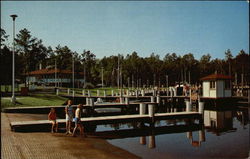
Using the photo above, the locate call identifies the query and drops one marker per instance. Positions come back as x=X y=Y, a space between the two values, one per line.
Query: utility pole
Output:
x=118 y=72
x=167 y=81
x=73 y=72
x=55 y=74
x=102 y=77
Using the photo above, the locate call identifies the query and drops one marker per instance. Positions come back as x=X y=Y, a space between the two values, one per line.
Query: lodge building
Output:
x=52 y=77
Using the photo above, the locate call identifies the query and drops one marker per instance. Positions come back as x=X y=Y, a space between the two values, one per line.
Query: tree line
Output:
x=118 y=70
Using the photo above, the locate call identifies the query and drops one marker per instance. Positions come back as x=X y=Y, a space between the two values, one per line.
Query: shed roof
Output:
x=216 y=77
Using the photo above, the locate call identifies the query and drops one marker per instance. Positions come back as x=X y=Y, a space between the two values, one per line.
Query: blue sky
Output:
x=109 y=28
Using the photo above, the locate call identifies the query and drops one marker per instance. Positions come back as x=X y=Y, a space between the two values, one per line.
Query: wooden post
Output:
x=87 y=101
x=143 y=140
x=121 y=100
x=201 y=135
x=171 y=92
x=188 y=106
x=127 y=100
x=190 y=135
x=151 y=144
x=98 y=92
x=120 y=92
x=91 y=100
x=158 y=99
x=154 y=93
x=151 y=110
x=112 y=92
x=142 y=108
x=152 y=99
x=201 y=107
x=143 y=92
x=104 y=93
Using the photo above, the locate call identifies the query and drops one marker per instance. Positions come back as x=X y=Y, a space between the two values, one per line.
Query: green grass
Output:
x=34 y=100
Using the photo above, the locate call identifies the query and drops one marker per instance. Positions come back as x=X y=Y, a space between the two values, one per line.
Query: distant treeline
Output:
x=128 y=69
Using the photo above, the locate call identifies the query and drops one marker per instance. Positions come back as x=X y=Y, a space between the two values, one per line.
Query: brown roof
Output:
x=50 y=71
x=215 y=77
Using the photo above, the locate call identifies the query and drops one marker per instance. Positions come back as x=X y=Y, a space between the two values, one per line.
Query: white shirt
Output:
x=77 y=114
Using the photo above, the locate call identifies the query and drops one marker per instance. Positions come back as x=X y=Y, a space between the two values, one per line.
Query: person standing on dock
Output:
x=69 y=116
x=52 y=118
x=77 y=119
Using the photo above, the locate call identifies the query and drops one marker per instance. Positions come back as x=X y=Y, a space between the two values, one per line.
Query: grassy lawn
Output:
x=39 y=99
x=34 y=100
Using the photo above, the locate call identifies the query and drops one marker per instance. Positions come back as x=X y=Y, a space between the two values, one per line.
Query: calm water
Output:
x=225 y=134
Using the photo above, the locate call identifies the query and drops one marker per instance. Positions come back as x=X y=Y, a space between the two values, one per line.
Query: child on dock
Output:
x=77 y=119
x=69 y=116
x=52 y=118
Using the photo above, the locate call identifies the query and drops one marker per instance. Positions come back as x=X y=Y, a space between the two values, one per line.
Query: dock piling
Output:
x=152 y=99
x=188 y=106
x=142 y=108
x=151 y=110
x=127 y=100
x=151 y=144
x=201 y=107
x=143 y=140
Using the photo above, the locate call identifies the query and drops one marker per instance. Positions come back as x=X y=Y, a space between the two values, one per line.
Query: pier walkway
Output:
x=19 y=125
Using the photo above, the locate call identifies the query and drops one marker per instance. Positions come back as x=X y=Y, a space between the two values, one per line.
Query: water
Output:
x=225 y=134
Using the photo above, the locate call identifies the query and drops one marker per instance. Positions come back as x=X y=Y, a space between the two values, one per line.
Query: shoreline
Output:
x=57 y=145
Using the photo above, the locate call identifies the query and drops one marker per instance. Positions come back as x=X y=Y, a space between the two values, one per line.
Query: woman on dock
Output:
x=52 y=118
x=77 y=120
x=69 y=116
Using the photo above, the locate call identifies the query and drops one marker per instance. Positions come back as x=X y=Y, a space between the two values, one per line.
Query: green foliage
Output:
x=131 y=69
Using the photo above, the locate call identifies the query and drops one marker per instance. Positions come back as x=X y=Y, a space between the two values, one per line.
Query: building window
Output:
x=227 y=84
x=212 y=84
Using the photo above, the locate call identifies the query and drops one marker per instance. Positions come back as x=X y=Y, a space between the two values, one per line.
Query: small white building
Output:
x=216 y=86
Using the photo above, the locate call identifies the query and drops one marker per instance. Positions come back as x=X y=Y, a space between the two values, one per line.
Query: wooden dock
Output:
x=40 y=124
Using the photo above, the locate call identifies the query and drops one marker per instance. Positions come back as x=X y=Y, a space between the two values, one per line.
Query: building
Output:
x=216 y=86
x=52 y=77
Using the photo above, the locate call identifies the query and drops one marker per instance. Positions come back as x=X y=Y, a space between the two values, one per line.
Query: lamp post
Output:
x=73 y=72
x=102 y=77
x=13 y=99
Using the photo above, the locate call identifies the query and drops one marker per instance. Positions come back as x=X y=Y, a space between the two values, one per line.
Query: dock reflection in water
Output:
x=224 y=134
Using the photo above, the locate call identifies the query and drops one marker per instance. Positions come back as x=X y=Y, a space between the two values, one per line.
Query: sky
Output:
x=107 y=27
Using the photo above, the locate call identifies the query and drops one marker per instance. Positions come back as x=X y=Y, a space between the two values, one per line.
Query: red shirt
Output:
x=52 y=116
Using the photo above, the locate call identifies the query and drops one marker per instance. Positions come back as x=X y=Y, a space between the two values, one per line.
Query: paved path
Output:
x=52 y=146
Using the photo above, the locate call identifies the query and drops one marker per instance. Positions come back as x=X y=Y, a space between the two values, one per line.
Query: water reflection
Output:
x=221 y=130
